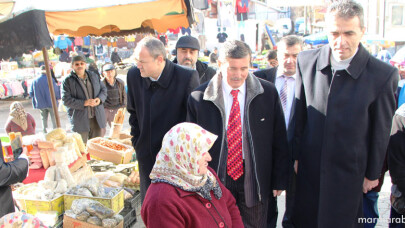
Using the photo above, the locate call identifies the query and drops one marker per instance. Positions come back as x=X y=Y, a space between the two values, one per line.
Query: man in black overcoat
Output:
x=263 y=148
x=157 y=100
x=344 y=107
x=283 y=76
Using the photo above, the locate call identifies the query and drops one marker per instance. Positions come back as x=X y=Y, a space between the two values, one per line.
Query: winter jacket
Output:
x=39 y=92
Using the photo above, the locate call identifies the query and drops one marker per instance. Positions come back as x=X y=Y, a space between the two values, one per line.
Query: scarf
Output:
x=177 y=161
x=18 y=115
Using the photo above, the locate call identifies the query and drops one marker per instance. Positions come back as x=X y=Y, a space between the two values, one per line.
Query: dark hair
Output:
x=272 y=55
x=290 y=41
x=347 y=9
x=235 y=49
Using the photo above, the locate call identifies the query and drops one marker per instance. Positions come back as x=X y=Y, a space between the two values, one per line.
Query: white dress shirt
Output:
x=228 y=101
x=290 y=93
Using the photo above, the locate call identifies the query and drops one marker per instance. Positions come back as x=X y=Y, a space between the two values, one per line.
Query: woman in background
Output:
x=19 y=120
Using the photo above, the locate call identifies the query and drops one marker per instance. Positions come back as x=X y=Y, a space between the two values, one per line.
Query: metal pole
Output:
x=50 y=84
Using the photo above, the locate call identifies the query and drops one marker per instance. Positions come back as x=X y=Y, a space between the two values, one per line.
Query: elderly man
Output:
x=83 y=94
x=116 y=95
x=157 y=100
x=187 y=48
x=344 y=106
x=250 y=155
x=283 y=77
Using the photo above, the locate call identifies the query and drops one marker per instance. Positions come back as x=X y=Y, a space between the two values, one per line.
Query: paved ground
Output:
x=383 y=204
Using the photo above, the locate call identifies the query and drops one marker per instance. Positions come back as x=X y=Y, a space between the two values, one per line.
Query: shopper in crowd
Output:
x=184 y=190
x=214 y=58
x=83 y=94
x=157 y=97
x=251 y=153
x=396 y=164
x=94 y=69
x=283 y=76
x=187 y=49
x=41 y=98
x=344 y=107
x=116 y=95
x=272 y=58
x=19 y=120
x=115 y=58
x=11 y=173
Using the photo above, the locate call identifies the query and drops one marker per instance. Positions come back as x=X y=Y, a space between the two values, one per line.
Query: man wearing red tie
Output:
x=250 y=155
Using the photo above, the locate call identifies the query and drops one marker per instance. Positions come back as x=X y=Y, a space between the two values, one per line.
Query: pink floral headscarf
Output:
x=177 y=161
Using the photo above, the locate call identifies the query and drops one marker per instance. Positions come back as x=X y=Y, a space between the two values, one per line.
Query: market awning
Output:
x=158 y=15
x=24 y=33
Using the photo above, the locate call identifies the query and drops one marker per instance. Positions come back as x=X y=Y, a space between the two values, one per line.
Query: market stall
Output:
x=73 y=183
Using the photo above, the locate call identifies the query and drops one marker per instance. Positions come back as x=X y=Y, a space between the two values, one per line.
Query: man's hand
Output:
x=96 y=101
x=88 y=102
x=369 y=184
x=296 y=166
x=277 y=192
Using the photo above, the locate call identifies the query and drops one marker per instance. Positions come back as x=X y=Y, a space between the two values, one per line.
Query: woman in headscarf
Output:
x=185 y=192
x=19 y=120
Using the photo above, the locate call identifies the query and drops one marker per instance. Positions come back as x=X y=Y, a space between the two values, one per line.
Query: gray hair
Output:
x=153 y=45
x=347 y=9
x=290 y=41
x=235 y=49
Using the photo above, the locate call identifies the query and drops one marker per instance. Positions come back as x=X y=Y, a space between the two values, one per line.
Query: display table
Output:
x=36 y=175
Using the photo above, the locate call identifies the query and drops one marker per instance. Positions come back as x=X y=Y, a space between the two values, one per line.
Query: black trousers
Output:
x=145 y=167
x=256 y=216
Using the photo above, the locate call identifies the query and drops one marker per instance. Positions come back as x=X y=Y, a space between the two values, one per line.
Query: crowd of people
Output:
x=216 y=145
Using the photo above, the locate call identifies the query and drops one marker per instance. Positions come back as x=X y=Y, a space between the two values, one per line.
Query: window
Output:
x=397 y=15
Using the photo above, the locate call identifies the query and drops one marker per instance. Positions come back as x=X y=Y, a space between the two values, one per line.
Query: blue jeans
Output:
x=370 y=208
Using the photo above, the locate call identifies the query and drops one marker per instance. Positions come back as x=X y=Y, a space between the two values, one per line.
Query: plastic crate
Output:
x=129 y=217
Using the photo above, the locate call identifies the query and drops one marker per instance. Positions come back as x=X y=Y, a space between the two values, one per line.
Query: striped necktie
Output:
x=283 y=93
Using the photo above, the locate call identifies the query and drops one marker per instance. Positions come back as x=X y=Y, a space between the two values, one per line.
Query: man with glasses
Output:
x=83 y=95
x=157 y=97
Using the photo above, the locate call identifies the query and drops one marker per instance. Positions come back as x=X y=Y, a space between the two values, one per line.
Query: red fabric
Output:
x=234 y=162
x=35 y=175
x=168 y=206
x=239 y=8
x=13 y=127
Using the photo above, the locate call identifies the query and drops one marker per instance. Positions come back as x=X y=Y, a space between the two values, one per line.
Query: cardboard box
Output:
x=100 y=152
x=116 y=203
x=34 y=206
x=69 y=222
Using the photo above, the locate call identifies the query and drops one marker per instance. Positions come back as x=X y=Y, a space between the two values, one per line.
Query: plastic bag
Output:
x=50 y=174
x=94 y=220
x=56 y=134
x=80 y=205
x=83 y=216
x=119 y=218
x=92 y=184
x=66 y=175
x=109 y=223
x=61 y=187
x=70 y=213
x=83 y=192
x=99 y=210
x=79 y=142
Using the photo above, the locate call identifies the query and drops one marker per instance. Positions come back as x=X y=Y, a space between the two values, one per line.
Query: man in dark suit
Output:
x=250 y=155
x=344 y=106
x=11 y=173
x=157 y=100
x=283 y=77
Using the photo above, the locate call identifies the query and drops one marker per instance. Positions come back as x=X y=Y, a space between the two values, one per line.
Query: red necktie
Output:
x=234 y=135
